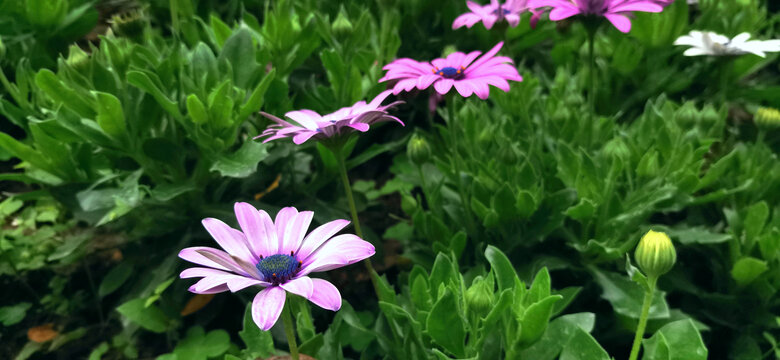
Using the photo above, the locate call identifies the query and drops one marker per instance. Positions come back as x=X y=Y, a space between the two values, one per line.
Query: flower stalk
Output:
x=640 y=329
x=289 y=331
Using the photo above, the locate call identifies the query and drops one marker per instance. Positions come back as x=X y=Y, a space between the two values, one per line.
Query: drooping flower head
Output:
x=307 y=124
x=616 y=11
x=710 y=43
x=276 y=255
x=491 y=13
x=466 y=72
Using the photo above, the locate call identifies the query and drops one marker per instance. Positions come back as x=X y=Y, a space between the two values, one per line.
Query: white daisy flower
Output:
x=710 y=43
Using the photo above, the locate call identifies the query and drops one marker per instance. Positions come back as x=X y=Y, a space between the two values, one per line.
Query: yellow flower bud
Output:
x=77 y=58
x=767 y=118
x=655 y=254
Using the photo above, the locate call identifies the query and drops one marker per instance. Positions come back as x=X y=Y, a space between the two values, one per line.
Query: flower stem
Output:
x=640 y=329
x=289 y=331
x=591 y=82
x=455 y=156
x=353 y=212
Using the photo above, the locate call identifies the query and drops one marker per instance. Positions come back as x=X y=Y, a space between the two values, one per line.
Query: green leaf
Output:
x=535 y=320
x=626 y=296
x=196 y=110
x=540 y=288
x=115 y=278
x=681 y=339
x=110 y=116
x=257 y=98
x=582 y=346
x=98 y=352
x=258 y=343
x=697 y=235
x=747 y=269
x=59 y=92
x=26 y=153
x=239 y=51
x=441 y=273
x=150 y=318
x=582 y=211
x=199 y=345
x=144 y=82
x=501 y=267
x=557 y=335
x=497 y=312
x=756 y=217
x=243 y=162
x=13 y=314
x=445 y=325
x=313 y=345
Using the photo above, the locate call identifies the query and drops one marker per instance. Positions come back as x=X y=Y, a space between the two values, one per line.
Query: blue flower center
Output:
x=502 y=10
x=450 y=72
x=278 y=268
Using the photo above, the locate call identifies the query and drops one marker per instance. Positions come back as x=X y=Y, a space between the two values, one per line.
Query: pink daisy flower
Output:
x=308 y=124
x=467 y=73
x=616 y=11
x=490 y=14
x=277 y=255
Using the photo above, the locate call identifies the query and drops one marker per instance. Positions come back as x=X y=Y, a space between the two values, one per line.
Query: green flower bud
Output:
x=77 y=58
x=479 y=297
x=561 y=114
x=341 y=27
x=687 y=114
x=418 y=150
x=45 y=13
x=709 y=115
x=617 y=148
x=655 y=254
x=648 y=164
x=449 y=49
x=767 y=118
x=408 y=204
x=130 y=25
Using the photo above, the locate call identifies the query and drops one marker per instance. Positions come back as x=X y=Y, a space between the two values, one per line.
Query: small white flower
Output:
x=710 y=43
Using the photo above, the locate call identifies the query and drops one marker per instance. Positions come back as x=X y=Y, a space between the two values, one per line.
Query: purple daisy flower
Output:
x=277 y=255
x=467 y=73
x=616 y=11
x=310 y=124
x=490 y=14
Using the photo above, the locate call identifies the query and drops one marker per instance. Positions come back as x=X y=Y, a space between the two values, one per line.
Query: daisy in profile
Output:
x=307 y=124
x=467 y=73
x=713 y=44
x=491 y=14
x=276 y=255
x=616 y=12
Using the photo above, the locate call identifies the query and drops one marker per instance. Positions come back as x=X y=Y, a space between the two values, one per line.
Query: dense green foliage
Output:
x=506 y=230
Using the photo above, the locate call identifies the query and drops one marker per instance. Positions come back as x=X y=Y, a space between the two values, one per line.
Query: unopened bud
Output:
x=687 y=114
x=617 y=148
x=408 y=204
x=648 y=164
x=418 y=150
x=767 y=118
x=130 y=25
x=479 y=297
x=709 y=115
x=655 y=254
x=77 y=58
x=341 y=27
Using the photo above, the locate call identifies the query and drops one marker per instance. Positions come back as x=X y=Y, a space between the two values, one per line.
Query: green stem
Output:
x=353 y=213
x=591 y=83
x=289 y=331
x=640 y=329
x=470 y=226
x=174 y=5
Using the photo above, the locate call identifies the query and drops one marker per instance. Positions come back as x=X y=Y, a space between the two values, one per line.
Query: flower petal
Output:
x=339 y=251
x=232 y=240
x=319 y=236
x=621 y=22
x=267 y=306
x=325 y=295
x=302 y=286
x=295 y=231
x=261 y=241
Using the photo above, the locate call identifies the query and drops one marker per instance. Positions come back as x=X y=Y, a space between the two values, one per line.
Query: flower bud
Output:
x=130 y=25
x=408 y=204
x=709 y=115
x=655 y=254
x=45 y=13
x=767 y=118
x=418 y=150
x=341 y=27
x=648 y=164
x=687 y=114
x=77 y=58
x=617 y=148
x=479 y=297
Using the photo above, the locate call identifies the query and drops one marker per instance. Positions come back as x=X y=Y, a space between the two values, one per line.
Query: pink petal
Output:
x=303 y=137
x=191 y=254
x=325 y=295
x=423 y=82
x=212 y=257
x=261 y=238
x=319 y=236
x=302 y=286
x=488 y=55
x=468 y=20
x=305 y=118
x=295 y=231
x=215 y=290
x=267 y=306
x=463 y=88
x=443 y=86
x=362 y=127
x=563 y=13
x=646 y=6
x=284 y=216
x=621 y=22
x=232 y=240
x=337 y=252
